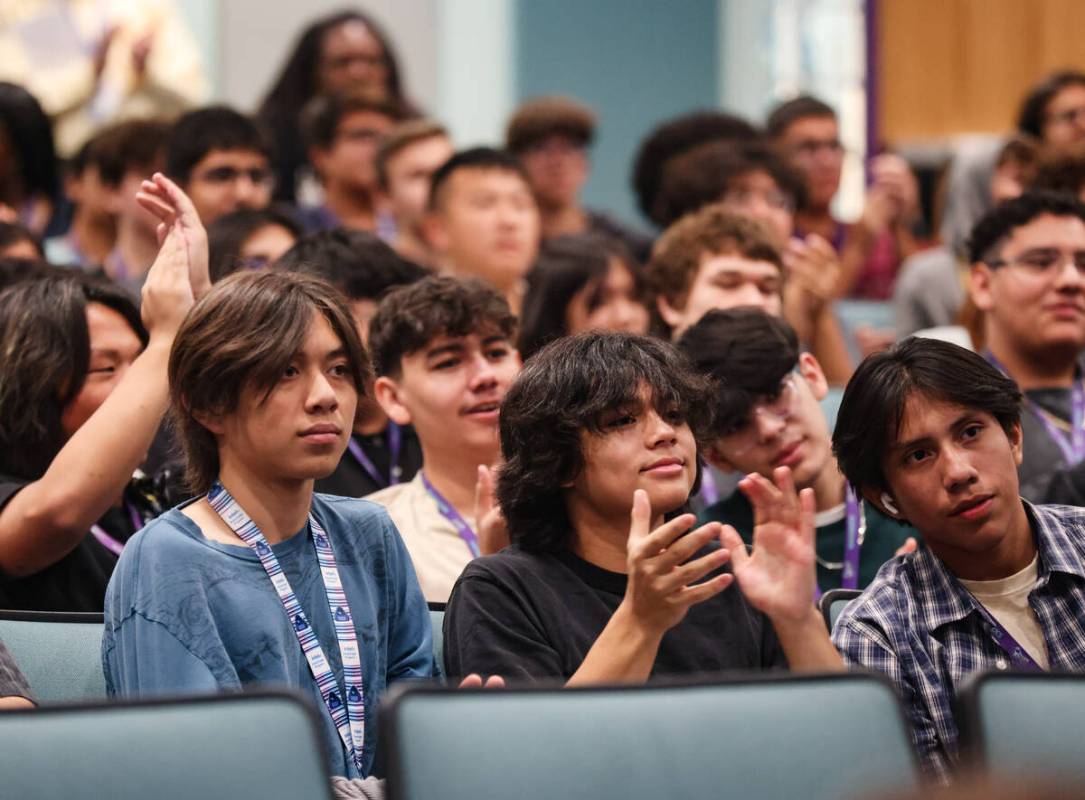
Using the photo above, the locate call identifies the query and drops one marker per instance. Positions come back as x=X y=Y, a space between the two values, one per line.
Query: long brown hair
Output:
x=241 y=337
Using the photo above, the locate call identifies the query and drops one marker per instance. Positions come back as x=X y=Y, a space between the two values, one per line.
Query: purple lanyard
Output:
x=107 y=541
x=1074 y=450
x=395 y=441
x=710 y=493
x=1004 y=639
x=854 y=534
x=465 y=531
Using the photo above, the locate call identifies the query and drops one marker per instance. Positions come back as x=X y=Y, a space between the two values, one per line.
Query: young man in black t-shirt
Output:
x=600 y=439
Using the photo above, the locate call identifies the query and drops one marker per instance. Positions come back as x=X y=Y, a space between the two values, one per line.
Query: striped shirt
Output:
x=920 y=627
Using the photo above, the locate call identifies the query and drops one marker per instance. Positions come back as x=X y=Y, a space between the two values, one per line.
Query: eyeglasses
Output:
x=1067 y=117
x=744 y=198
x=260 y=176
x=744 y=435
x=809 y=148
x=1043 y=262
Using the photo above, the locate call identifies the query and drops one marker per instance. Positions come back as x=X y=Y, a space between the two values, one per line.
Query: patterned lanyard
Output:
x=107 y=541
x=854 y=535
x=465 y=531
x=349 y=720
x=1004 y=639
x=395 y=440
x=1074 y=450
x=710 y=493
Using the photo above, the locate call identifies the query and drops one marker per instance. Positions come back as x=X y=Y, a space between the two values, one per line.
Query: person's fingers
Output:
x=161 y=231
x=693 y=571
x=735 y=547
x=472 y=681
x=691 y=595
x=820 y=246
x=640 y=518
x=181 y=201
x=662 y=537
x=495 y=682
x=909 y=546
x=686 y=546
x=162 y=211
x=807 y=512
x=763 y=496
x=789 y=498
x=484 y=492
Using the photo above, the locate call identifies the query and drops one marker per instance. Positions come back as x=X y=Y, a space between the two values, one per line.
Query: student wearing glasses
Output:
x=767 y=416
x=1028 y=279
x=220 y=158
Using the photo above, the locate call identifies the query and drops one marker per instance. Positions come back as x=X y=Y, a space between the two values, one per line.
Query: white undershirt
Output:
x=829 y=516
x=1007 y=600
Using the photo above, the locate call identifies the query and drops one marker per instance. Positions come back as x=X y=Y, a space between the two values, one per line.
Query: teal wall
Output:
x=637 y=62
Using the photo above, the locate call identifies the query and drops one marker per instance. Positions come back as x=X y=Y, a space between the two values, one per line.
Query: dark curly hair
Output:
x=566 y=389
x=1032 y=116
x=1000 y=222
x=410 y=317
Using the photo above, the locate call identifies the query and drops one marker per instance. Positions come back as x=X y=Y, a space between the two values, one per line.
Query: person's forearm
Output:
x=13 y=702
x=623 y=653
x=807 y=645
x=49 y=517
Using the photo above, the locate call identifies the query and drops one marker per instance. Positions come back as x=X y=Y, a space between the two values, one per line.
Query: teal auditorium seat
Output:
x=816 y=737
x=210 y=747
x=1015 y=724
x=437 y=621
x=60 y=654
x=833 y=602
x=855 y=314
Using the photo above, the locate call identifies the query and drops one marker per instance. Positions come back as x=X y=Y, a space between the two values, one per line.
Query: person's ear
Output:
x=213 y=422
x=390 y=396
x=435 y=231
x=812 y=372
x=318 y=157
x=883 y=501
x=1017 y=445
x=980 y=277
x=714 y=456
x=673 y=316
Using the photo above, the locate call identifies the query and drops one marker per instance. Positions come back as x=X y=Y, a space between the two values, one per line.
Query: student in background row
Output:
x=380 y=453
x=83 y=395
x=445 y=355
x=93 y=226
x=767 y=415
x=551 y=137
x=250 y=239
x=406 y=159
x=581 y=282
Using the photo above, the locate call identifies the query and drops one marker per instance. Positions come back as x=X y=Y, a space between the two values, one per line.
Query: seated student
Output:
x=483 y=221
x=444 y=357
x=128 y=154
x=871 y=250
x=82 y=394
x=250 y=239
x=580 y=283
x=14 y=690
x=931 y=433
x=260 y=581
x=221 y=159
x=749 y=178
x=1028 y=280
x=93 y=226
x=551 y=137
x=767 y=416
x=380 y=453
x=599 y=438
x=407 y=157
x=342 y=132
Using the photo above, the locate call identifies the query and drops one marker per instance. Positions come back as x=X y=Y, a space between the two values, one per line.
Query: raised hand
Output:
x=177 y=218
x=490 y=525
x=778 y=577
x=814 y=264
x=662 y=580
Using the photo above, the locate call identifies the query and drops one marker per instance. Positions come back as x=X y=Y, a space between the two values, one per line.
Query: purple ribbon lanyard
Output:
x=107 y=541
x=1004 y=639
x=854 y=534
x=466 y=532
x=710 y=493
x=395 y=441
x=1074 y=450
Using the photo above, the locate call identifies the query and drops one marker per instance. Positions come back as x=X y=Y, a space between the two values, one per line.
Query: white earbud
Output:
x=887 y=504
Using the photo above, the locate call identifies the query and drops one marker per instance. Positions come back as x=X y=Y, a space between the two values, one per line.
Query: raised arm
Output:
x=45 y=520
x=778 y=577
x=660 y=591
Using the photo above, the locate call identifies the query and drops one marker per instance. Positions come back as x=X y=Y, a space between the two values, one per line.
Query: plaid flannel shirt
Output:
x=916 y=624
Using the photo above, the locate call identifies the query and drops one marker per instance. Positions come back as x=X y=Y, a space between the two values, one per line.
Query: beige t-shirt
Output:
x=1007 y=600
x=437 y=551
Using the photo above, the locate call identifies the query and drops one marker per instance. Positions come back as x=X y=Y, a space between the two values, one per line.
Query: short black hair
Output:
x=228 y=234
x=410 y=317
x=358 y=263
x=1000 y=222
x=566 y=389
x=474 y=158
x=746 y=353
x=872 y=409
x=202 y=130
x=789 y=112
x=1032 y=115
x=322 y=116
x=704 y=175
x=136 y=144
x=565 y=266
x=676 y=136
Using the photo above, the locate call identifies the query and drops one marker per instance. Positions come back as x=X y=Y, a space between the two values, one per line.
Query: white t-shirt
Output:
x=1007 y=600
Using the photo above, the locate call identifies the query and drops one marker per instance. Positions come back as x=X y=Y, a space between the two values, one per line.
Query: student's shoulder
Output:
x=164 y=537
x=358 y=513
x=885 y=602
x=511 y=566
x=733 y=510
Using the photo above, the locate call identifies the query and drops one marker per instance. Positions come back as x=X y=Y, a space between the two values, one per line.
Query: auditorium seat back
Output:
x=60 y=654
